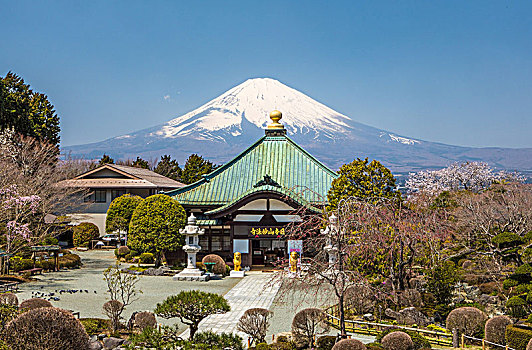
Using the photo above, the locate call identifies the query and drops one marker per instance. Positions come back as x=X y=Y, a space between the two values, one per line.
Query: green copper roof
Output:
x=290 y=167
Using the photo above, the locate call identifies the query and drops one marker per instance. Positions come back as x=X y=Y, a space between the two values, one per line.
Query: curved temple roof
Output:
x=271 y=161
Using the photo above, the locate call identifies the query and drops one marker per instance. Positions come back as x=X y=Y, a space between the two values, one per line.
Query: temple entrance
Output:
x=267 y=252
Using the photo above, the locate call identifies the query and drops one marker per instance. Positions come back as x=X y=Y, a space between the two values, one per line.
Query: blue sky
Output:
x=458 y=72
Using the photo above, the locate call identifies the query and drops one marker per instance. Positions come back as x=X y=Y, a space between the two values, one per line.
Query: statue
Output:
x=237 y=261
x=294 y=257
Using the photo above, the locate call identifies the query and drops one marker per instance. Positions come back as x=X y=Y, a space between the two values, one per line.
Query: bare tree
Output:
x=122 y=288
x=255 y=323
x=308 y=323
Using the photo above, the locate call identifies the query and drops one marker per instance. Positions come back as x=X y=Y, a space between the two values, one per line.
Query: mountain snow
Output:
x=253 y=100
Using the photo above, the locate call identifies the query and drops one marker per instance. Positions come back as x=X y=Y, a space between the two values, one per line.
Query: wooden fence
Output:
x=374 y=328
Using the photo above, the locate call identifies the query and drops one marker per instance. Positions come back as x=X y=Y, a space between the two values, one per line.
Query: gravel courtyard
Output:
x=90 y=277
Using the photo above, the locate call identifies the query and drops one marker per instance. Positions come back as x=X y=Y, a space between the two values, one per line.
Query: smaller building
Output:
x=110 y=181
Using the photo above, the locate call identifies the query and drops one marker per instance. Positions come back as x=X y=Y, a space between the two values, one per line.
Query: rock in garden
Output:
x=112 y=342
x=95 y=345
x=411 y=315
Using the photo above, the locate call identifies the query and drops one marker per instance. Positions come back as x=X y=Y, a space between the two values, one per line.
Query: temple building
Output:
x=246 y=204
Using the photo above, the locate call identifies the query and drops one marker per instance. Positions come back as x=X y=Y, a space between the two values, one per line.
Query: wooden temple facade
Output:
x=246 y=204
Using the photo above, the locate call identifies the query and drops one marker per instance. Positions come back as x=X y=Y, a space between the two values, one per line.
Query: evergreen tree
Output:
x=106 y=159
x=27 y=112
x=168 y=167
x=140 y=163
x=194 y=168
x=362 y=179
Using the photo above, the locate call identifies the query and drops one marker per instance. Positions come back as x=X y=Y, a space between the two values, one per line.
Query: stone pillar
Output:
x=191 y=247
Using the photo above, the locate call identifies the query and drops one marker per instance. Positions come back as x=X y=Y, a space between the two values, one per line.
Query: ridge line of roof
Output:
x=312 y=157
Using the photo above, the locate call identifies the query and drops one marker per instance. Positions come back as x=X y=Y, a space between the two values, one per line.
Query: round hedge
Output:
x=349 y=344
x=495 y=329
x=34 y=303
x=397 y=341
x=9 y=299
x=45 y=329
x=145 y=319
x=84 y=233
x=219 y=267
x=466 y=320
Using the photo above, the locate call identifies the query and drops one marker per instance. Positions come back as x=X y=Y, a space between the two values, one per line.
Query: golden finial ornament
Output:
x=275 y=116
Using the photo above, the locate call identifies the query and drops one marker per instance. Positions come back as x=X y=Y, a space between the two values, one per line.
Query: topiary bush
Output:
x=467 y=320
x=506 y=240
x=122 y=251
x=219 y=267
x=517 y=307
x=218 y=340
x=349 y=344
x=45 y=329
x=84 y=233
x=69 y=260
x=8 y=299
x=509 y=283
x=420 y=342
x=34 y=303
x=7 y=313
x=495 y=329
x=518 y=338
x=20 y=264
x=146 y=258
x=397 y=340
x=145 y=319
x=326 y=342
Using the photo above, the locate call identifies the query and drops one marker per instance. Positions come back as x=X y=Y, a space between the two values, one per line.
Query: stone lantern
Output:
x=331 y=232
x=191 y=247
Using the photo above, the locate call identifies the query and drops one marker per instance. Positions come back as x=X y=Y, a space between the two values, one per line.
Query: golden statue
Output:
x=237 y=261
x=294 y=257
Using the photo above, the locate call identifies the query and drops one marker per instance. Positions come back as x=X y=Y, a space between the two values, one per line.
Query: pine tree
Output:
x=140 y=163
x=106 y=159
x=27 y=112
x=195 y=167
x=168 y=167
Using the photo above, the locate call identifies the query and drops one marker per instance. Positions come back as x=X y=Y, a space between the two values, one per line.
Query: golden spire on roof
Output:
x=275 y=116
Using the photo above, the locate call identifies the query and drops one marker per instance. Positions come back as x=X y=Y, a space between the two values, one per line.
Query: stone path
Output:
x=255 y=290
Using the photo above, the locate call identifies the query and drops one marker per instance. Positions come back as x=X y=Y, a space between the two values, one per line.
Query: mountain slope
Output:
x=228 y=124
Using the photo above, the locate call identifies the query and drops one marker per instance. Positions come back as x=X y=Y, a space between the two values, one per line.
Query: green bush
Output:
x=84 y=233
x=94 y=325
x=506 y=240
x=524 y=269
x=518 y=338
x=69 y=261
x=326 y=342
x=509 y=283
x=221 y=340
x=20 y=264
x=147 y=258
x=420 y=342
x=122 y=251
x=516 y=307
x=262 y=346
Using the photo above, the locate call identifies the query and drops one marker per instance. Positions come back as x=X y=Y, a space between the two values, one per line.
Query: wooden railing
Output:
x=8 y=287
x=374 y=328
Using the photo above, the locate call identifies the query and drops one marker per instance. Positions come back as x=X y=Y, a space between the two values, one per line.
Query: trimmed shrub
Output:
x=19 y=264
x=34 y=303
x=94 y=325
x=44 y=329
x=7 y=313
x=349 y=344
x=122 y=251
x=8 y=299
x=84 y=233
x=489 y=288
x=518 y=338
x=467 y=320
x=516 y=307
x=506 y=240
x=495 y=329
x=397 y=341
x=255 y=322
x=307 y=323
x=524 y=269
x=219 y=267
x=219 y=340
x=262 y=346
x=420 y=342
x=145 y=319
x=146 y=258
x=326 y=342
x=69 y=260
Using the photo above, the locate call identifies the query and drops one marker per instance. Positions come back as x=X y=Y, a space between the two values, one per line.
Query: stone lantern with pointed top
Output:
x=192 y=232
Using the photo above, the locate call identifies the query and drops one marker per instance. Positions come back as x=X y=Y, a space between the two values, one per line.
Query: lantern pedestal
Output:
x=191 y=272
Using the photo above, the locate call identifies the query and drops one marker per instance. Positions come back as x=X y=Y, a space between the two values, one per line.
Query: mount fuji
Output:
x=228 y=124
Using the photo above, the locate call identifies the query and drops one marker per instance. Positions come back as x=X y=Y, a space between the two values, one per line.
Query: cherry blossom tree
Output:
x=470 y=176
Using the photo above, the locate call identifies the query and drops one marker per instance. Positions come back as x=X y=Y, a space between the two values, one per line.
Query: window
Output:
x=100 y=196
x=117 y=193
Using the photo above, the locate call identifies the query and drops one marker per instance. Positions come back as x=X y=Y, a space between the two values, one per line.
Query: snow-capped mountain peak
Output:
x=253 y=100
